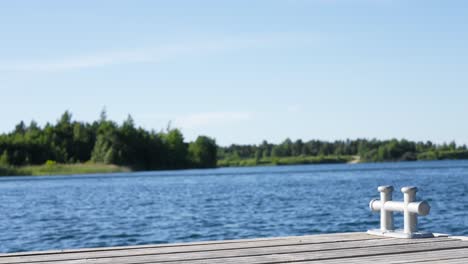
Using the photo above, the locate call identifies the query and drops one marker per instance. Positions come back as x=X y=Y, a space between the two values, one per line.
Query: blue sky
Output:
x=241 y=71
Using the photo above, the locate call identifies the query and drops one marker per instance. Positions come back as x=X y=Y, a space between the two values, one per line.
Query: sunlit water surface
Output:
x=58 y=212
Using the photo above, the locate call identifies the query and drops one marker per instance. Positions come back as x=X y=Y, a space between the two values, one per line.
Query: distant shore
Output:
x=298 y=160
x=74 y=147
x=87 y=168
x=91 y=168
x=61 y=169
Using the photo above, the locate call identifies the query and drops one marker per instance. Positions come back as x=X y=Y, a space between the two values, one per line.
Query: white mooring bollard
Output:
x=410 y=210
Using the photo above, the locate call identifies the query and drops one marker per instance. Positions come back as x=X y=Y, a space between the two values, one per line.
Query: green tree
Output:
x=258 y=155
x=202 y=152
x=296 y=148
x=177 y=149
x=4 y=160
x=106 y=141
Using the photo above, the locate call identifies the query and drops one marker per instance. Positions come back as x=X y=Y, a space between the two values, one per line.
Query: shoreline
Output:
x=61 y=169
x=99 y=168
x=283 y=161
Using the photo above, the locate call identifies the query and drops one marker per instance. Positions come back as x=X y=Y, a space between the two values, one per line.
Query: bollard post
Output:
x=409 y=207
x=410 y=219
x=386 y=216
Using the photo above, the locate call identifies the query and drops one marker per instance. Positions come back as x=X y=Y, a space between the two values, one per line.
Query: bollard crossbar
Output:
x=420 y=208
x=410 y=208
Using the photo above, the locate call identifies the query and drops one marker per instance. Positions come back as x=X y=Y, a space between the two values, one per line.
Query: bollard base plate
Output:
x=399 y=234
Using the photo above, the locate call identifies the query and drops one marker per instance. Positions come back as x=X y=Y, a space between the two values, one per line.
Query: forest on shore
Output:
x=106 y=146
x=339 y=151
x=104 y=142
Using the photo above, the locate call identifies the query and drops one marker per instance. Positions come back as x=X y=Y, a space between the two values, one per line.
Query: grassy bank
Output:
x=285 y=161
x=443 y=155
x=61 y=169
x=52 y=168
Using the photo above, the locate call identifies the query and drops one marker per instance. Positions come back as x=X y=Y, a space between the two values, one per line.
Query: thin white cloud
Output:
x=153 y=54
x=211 y=119
x=79 y=62
x=149 y=54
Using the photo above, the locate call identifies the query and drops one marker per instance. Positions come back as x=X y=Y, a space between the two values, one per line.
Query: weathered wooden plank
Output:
x=418 y=257
x=328 y=249
x=343 y=254
x=180 y=248
x=283 y=254
x=445 y=261
x=319 y=238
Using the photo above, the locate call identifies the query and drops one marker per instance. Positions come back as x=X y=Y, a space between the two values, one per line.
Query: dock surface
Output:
x=328 y=248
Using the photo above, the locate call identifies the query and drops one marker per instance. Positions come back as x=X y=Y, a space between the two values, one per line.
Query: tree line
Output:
x=104 y=141
x=125 y=144
x=372 y=150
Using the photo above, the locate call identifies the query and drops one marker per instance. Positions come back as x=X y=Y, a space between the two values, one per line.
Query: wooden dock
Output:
x=330 y=248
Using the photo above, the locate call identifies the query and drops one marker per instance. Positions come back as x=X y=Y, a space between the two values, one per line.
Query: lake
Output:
x=59 y=212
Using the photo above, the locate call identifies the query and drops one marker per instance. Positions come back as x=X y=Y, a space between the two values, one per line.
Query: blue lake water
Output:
x=55 y=212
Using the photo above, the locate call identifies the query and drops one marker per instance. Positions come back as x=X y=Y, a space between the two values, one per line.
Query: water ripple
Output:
x=42 y=213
